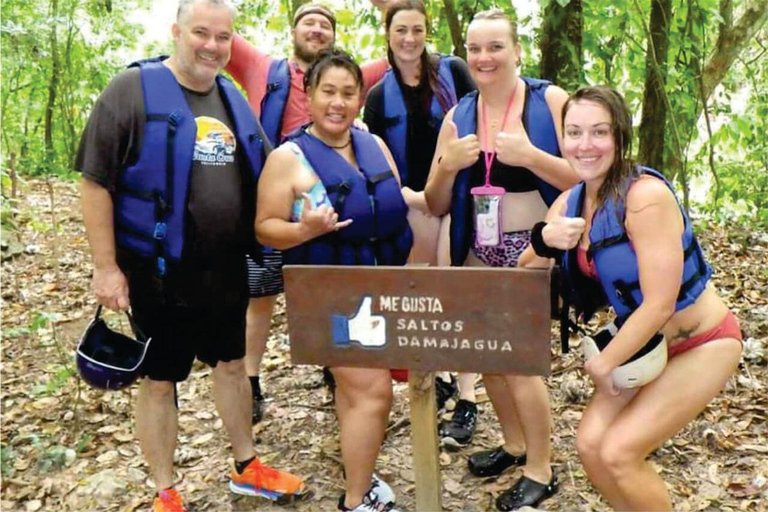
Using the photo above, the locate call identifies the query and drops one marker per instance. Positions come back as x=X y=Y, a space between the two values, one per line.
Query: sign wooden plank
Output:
x=459 y=319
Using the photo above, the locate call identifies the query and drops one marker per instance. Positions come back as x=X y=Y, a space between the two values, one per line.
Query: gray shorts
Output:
x=265 y=279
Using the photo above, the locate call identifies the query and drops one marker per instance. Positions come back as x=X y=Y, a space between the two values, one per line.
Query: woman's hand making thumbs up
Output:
x=458 y=153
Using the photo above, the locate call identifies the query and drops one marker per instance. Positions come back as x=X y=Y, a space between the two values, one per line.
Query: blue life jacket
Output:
x=616 y=261
x=540 y=127
x=396 y=113
x=150 y=201
x=275 y=99
x=379 y=233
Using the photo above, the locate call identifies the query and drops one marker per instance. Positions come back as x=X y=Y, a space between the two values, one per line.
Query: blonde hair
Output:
x=498 y=14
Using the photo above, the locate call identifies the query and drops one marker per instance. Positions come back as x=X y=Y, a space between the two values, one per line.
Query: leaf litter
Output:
x=68 y=447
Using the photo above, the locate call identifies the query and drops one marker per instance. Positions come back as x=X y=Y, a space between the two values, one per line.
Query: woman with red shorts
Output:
x=622 y=237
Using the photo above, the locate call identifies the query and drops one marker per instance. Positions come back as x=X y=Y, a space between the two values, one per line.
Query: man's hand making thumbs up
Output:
x=563 y=232
x=459 y=152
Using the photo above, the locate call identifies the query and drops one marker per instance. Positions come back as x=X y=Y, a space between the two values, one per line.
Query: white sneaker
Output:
x=379 y=498
x=382 y=490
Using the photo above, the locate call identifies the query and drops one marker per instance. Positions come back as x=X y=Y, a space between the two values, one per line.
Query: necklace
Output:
x=342 y=146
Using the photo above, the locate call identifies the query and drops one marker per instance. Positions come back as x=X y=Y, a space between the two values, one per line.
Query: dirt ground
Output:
x=67 y=447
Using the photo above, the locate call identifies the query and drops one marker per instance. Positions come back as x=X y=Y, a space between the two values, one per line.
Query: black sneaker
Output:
x=458 y=432
x=258 y=400
x=445 y=391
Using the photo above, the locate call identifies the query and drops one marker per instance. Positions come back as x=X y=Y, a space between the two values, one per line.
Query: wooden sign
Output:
x=483 y=320
x=423 y=319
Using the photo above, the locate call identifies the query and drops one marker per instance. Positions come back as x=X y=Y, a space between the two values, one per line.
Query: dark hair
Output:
x=623 y=170
x=332 y=58
x=498 y=14
x=429 y=63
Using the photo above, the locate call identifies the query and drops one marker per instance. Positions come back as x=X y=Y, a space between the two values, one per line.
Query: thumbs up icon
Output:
x=362 y=326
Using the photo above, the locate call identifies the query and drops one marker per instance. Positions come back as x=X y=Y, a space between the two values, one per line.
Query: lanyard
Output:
x=490 y=155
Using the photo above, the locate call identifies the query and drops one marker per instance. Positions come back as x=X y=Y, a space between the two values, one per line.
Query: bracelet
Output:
x=538 y=244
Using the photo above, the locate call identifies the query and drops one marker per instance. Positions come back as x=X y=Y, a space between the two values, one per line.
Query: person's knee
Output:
x=525 y=382
x=493 y=380
x=588 y=445
x=260 y=307
x=372 y=388
x=157 y=390
x=618 y=457
x=229 y=370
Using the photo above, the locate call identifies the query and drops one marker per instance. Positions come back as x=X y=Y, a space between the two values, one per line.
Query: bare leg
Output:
x=467 y=387
x=600 y=413
x=444 y=242
x=363 y=401
x=232 y=395
x=156 y=429
x=258 y=322
x=504 y=405
x=531 y=399
x=660 y=410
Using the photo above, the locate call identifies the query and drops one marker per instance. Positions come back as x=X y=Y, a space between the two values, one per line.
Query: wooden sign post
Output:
x=479 y=320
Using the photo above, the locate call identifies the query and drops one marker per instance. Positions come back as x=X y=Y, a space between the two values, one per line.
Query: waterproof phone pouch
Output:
x=487 y=208
x=318 y=195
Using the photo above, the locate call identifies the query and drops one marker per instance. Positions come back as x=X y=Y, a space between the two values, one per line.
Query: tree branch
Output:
x=730 y=42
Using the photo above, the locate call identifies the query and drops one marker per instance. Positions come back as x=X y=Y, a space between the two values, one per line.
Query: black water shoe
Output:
x=526 y=493
x=493 y=462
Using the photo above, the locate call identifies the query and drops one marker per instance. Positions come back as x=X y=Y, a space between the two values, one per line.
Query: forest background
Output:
x=695 y=72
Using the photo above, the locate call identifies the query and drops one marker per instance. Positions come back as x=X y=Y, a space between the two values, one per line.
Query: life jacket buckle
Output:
x=174 y=118
x=161 y=268
x=160 y=231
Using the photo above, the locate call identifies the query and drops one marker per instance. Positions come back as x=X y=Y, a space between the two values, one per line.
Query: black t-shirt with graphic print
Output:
x=220 y=195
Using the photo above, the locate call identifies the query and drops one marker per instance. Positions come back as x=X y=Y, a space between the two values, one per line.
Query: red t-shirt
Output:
x=250 y=67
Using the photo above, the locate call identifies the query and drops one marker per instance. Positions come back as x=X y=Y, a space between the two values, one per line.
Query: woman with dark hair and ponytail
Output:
x=623 y=239
x=406 y=109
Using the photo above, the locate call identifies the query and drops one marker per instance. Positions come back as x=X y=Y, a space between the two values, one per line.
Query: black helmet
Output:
x=107 y=359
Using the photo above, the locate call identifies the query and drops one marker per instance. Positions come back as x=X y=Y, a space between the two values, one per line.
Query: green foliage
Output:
x=7 y=456
x=58 y=55
x=56 y=381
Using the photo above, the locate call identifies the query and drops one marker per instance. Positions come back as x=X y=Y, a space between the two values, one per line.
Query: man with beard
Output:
x=275 y=89
x=168 y=235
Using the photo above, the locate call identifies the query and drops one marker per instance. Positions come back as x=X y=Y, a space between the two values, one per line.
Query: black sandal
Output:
x=493 y=462
x=526 y=492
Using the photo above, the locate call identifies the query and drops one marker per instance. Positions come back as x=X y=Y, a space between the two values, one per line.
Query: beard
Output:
x=303 y=53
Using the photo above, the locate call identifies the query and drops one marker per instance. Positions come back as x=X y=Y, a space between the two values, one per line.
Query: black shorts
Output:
x=198 y=312
x=265 y=279
x=181 y=333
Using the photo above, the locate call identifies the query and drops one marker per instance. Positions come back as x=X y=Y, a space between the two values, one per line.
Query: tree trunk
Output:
x=561 y=41
x=52 y=89
x=457 y=35
x=655 y=108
